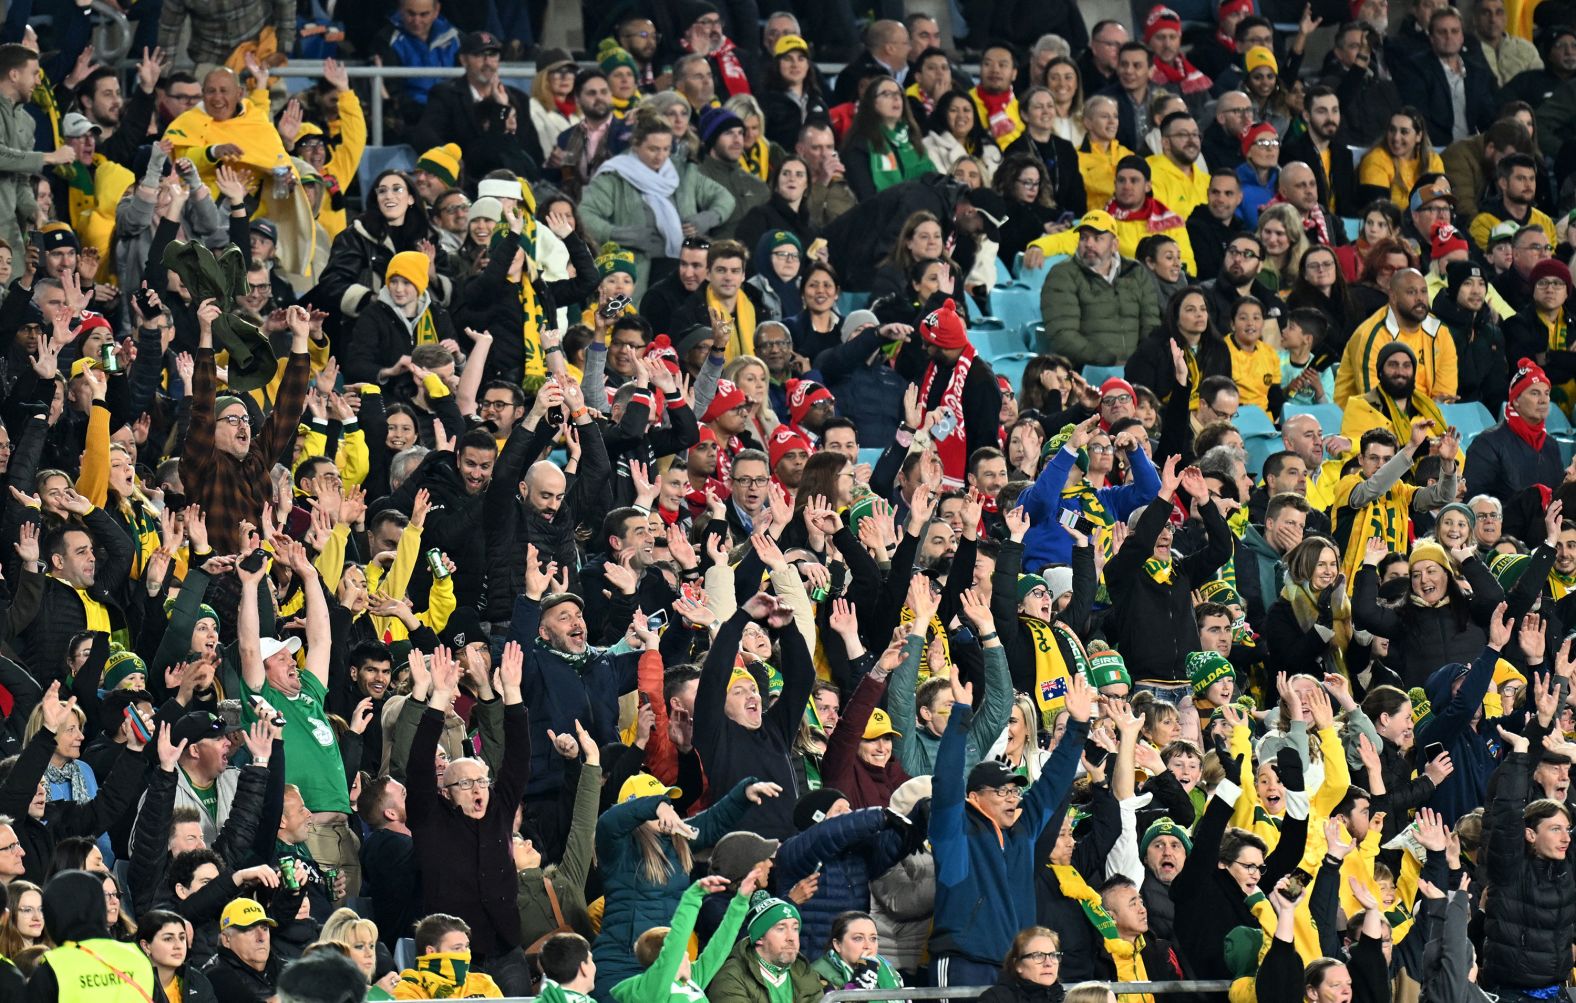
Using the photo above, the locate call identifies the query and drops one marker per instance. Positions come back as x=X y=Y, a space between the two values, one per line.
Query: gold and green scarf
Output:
x=426 y=330
x=1305 y=609
x=1051 y=673
x=936 y=630
x=1560 y=585
x=1423 y=406
x=1159 y=571
x=743 y=341
x=757 y=159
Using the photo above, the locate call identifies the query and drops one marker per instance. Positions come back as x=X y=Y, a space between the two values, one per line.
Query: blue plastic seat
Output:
x=1329 y=415
x=1556 y=421
x=1012 y=367
x=1253 y=421
x=377 y=159
x=847 y=303
x=1096 y=375
x=1469 y=419
x=1018 y=307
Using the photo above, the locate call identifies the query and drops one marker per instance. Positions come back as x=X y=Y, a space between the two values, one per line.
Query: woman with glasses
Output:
x=1541 y=330
x=1059 y=157
x=1321 y=285
x=787 y=209
x=1396 y=160
x=1259 y=173
x=23 y=926
x=883 y=146
x=954 y=130
x=778 y=259
x=1032 y=212
x=1031 y=971
x=553 y=107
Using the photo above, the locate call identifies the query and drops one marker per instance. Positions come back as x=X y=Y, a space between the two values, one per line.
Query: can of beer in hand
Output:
x=287 y=873
x=331 y=879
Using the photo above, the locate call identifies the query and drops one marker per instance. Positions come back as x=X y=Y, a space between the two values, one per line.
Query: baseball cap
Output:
x=1433 y=191
x=644 y=785
x=199 y=725
x=880 y=724
x=1097 y=220
x=990 y=773
x=74 y=125
x=272 y=646
x=263 y=228
x=476 y=43
x=243 y=914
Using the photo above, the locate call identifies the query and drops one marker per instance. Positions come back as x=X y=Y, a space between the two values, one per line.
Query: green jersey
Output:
x=314 y=764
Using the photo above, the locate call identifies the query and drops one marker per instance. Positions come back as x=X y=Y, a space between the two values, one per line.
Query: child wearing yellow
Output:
x=1255 y=366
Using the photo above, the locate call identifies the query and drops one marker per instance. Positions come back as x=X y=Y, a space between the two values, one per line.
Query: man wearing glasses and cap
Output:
x=457 y=107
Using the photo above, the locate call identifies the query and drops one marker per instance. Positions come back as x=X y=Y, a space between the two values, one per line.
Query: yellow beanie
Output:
x=1428 y=550
x=1258 y=57
x=442 y=162
x=412 y=266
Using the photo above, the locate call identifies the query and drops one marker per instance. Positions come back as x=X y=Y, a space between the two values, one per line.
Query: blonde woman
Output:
x=360 y=939
x=553 y=106
x=1285 y=242
x=750 y=375
x=1018 y=745
x=68 y=778
x=759 y=157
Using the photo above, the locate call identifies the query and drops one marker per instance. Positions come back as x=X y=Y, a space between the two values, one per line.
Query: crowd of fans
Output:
x=614 y=558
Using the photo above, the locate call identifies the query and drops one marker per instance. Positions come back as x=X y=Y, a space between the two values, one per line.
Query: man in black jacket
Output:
x=1431 y=78
x=1215 y=222
x=1317 y=146
x=122 y=122
x=862 y=237
x=455 y=115
x=1356 y=72
x=246 y=969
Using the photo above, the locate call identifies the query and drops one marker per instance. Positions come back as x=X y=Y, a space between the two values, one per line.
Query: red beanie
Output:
x=1253 y=133
x=707 y=435
x=1551 y=268
x=1527 y=374
x=1116 y=383
x=1160 y=18
x=802 y=394
x=944 y=328
x=92 y=321
x=1229 y=7
x=1446 y=240
x=662 y=348
x=726 y=399
x=784 y=440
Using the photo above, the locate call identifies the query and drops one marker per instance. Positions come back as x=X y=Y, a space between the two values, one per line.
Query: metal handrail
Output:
x=972 y=992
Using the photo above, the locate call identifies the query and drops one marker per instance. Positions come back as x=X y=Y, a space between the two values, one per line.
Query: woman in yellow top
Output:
x=1393 y=164
x=1100 y=152
x=162 y=936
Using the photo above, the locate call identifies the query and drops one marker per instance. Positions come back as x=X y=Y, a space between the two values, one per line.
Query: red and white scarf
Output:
x=1312 y=223
x=1182 y=75
x=1159 y=217
x=954 y=449
x=725 y=455
x=734 y=79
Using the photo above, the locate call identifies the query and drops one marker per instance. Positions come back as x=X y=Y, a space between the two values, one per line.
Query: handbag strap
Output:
x=552 y=900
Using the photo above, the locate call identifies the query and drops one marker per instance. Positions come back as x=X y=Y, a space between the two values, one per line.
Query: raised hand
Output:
x=1080 y=698
x=1532 y=637
x=169 y=752
x=1336 y=842
x=1517 y=743
x=260 y=738
x=26 y=545
x=977 y=609
x=1499 y=628
x=843 y=620
x=1375 y=550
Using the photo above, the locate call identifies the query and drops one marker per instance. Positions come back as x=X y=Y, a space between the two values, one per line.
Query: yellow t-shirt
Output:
x=1254 y=371
x=1388 y=517
x=1380 y=169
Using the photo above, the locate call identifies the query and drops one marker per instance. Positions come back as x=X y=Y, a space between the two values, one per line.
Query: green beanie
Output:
x=863 y=507
x=120 y=666
x=1221 y=592
x=1508 y=568
x=204 y=611
x=1422 y=709
x=1060 y=439
x=1163 y=826
x=1028 y=583
x=610 y=56
x=1107 y=668
x=224 y=401
x=1242 y=948
x=766 y=911
x=1205 y=668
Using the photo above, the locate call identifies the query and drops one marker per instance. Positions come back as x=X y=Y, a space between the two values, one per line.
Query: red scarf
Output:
x=725 y=455
x=566 y=106
x=1158 y=216
x=734 y=79
x=1312 y=223
x=954 y=449
x=1226 y=40
x=696 y=499
x=1532 y=435
x=1181 y=74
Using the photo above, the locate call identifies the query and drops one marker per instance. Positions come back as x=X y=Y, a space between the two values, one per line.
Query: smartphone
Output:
x=254 y=561
x=1094 y=753
x=260 y=707
x=1075 y=520
x=615 y=306
x=657 y=620
x=1295 y=883
x=138 y=726
x=1432 y=751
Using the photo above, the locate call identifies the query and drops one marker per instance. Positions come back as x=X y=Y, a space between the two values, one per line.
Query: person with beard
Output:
x=1178 y=179
x=1538 y=85
x=1404 y=319
x=1097 y=304
x=364 y=675
x=1316 y=147
x=1540 y=330
x=1395 y=403
x=1212 y=225
x=1164 y=847
x=1518 y=452
x=1480 y=345
x=1238 y=277
x=122 y=123
x=597 y=136
x=962 y=387
x=75 y=918
x=1516 y=192
x=621 y=581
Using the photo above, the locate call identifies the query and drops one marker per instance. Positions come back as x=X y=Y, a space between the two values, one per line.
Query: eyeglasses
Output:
x=695 y=244
x=710 y=21
x=182 y=98
x=1011 y=792
x=1116 y=400
x=773 y=345
x=259 y=287
x=786 y=255
x=1267 y=144
x=493 y=405
x=1192 y=134
x=479 y=783
x=390 y=190
x=1255 y=868
x=1246 y=254
x=1101 y=450
x=1550 y=284
x=1032 y=181
x=751 y=482
x=9 y=847
x=1539 y=248
x=1036 y=957
x=234 y=420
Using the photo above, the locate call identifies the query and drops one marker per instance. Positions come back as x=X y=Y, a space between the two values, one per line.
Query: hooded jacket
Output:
x=74 y=917
x=851 y=851
x=1482 y=366
x=984 y=875
x=1425 y=637
x=1530 y=912
x=1450 y=725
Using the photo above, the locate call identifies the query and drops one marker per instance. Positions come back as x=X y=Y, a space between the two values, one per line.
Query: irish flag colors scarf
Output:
x=953 y=448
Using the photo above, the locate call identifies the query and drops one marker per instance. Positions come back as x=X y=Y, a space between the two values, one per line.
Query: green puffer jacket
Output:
x=18 y=162
x=740 y=980
x=1095 y=322
x=612 y=209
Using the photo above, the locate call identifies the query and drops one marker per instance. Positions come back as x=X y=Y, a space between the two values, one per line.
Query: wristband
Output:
x=987 y=637
x=577 y=412
x=554 y=348
x=260 y=762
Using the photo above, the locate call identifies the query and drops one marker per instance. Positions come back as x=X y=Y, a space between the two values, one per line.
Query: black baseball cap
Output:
x=990 y=773
x=198 y=725
x=476 y=43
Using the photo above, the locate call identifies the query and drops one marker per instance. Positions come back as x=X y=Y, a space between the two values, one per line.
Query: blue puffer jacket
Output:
x=632 y=904
x=1047 y=541
x=852 y=850
x=870 y=393
x=1451 y=726
x=439 y=50
x=985 y=876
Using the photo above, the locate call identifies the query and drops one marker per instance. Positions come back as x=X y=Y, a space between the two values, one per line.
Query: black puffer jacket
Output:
x=1422 y=638
x=1016 y=990
x=1530 y=914
x=492 y=302
x=1482 y=364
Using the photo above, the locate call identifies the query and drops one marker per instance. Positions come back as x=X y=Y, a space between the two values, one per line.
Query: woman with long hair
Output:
x=883 y=145
x=793 y=92
x=1065 y=82
x=75 y=853
x=1321 y=285
x=1285 y=242
x=818 y=326
x=954 y=130
x=647 y=852
x=1314 y=597
x=394 y=220
x=1025 y=439
x=1396 y=160
x=116 y=915
x=23 y=926
x=750 y=374
x=1380 y=220
x=553 y=107
x=1019 y=746
x=1025 y=185
x=161 y=935
x=757 y=159
x=1031 y=970
x=920 y=239
x=1264 y=88
x=1060 y=157
x=852 y=959
x=1186 y=324
x=787 y=209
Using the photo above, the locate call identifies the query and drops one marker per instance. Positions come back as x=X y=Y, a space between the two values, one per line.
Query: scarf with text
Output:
x=953 y=449
x=1152 y=211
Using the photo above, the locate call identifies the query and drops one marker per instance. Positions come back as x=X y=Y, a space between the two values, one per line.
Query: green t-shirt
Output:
x=208 y=796
x=313 y=764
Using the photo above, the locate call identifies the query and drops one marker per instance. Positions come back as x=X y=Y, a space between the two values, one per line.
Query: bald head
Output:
x=1299 y=187
x=1234 y=112
x=887 y=40
x=1409 y=296
x=221 y=93
x=543 y=488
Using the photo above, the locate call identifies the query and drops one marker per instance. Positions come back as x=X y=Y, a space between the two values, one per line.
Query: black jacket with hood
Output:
x=73 y=911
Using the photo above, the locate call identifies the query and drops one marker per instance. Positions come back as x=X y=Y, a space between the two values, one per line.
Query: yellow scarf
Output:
x=1128 y=956
x=936 y=630
x=1423 y=406
x=1158 y=570
x=95 y=612
x=426 y=330
x=743 y=341
x=1051 y=675
x=530 y=304
x=757 y=160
